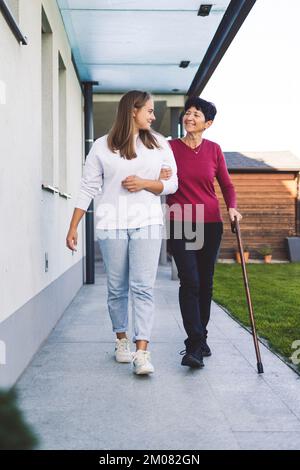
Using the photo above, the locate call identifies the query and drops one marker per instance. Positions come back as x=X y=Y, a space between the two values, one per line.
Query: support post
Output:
x=89 y=217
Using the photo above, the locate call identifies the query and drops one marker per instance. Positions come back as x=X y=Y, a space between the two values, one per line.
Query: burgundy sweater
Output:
x=196 y=173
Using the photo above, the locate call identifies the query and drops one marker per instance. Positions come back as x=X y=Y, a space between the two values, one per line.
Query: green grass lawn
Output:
x=275 y=294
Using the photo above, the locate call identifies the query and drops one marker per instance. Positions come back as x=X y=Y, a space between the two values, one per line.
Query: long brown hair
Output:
x=121 y=135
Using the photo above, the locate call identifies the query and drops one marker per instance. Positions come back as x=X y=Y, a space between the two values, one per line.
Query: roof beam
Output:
x=12 y=23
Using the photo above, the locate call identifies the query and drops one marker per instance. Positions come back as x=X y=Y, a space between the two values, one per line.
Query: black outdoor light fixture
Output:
x=184 y=64
x=204 y=9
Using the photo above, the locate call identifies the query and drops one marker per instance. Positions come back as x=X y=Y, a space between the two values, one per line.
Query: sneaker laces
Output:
x=142 y=357
x=184 y=351
x=123 y=345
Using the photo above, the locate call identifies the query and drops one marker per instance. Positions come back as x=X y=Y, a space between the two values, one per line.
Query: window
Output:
x=47 y=103
x=62 y=124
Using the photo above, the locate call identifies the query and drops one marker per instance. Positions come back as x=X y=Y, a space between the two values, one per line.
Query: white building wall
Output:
x=34 y=221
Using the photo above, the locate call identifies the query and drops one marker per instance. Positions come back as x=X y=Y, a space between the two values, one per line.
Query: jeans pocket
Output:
x=102 y=233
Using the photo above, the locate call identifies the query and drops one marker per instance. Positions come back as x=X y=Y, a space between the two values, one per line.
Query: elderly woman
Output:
x=198 y=161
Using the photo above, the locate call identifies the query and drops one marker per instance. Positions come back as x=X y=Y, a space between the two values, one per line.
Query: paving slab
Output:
x=77 y=397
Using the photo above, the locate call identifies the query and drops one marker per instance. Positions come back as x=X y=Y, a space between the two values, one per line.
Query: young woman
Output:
x=198 y=161
x=125 y=166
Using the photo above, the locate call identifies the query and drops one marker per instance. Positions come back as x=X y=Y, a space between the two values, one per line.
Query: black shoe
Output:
x=206 y=352
x=192 y=359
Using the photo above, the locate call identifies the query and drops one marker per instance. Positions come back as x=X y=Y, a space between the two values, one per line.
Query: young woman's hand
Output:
x=234 y=213
x=133 y=183
x=165 y=173
x=71 y=240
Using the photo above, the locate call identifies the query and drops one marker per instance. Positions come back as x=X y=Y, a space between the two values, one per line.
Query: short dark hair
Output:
x=208 y=109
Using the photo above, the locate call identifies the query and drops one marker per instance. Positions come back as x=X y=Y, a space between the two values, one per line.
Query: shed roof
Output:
x=264 y=161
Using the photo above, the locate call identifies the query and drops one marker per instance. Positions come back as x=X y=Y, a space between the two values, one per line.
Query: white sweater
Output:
x=104 y=171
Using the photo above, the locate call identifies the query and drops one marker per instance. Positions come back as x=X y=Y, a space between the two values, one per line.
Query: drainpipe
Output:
x=176 y=131
x=181 y=128
x=89 y=217
x=175 y=121
x=174 y=114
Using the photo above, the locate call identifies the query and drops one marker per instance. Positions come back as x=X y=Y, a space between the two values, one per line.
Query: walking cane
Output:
x=235 y=228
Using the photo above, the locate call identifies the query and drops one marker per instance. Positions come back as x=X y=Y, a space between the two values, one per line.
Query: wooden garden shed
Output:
x=268 y=194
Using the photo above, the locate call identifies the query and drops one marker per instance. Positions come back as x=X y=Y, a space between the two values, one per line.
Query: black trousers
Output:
x=195 y=272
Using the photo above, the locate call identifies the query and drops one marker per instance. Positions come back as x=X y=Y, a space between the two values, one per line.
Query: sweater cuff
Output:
x=83 y=202
x=169 y=187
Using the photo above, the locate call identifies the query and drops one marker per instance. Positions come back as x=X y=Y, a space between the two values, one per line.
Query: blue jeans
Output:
x=131 y=258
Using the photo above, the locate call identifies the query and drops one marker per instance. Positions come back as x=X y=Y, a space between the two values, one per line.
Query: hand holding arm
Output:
x=167 y=182
x=165 y=173
x=134 y=183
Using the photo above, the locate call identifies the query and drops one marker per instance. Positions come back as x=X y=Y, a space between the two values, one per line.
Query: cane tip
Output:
x=260 y=368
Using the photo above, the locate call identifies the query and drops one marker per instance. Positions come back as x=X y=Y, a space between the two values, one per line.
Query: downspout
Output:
x=89 y=217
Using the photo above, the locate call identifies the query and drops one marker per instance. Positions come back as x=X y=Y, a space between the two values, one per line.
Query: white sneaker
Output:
x=141 y=363
x=122 y=350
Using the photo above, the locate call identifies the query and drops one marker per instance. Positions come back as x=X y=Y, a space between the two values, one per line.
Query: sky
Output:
x=256 y=86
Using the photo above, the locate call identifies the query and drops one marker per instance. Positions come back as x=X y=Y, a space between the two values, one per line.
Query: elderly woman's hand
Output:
x=165 y=173
x=232 y=212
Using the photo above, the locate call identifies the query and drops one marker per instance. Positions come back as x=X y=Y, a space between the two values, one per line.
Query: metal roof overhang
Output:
x=131 y=44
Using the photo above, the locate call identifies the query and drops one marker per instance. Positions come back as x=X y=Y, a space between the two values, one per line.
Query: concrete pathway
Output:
x=77 y=397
